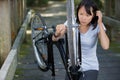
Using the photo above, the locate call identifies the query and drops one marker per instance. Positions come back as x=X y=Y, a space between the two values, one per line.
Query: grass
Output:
x=18 y=72
x=24 y=50
x=22 y=54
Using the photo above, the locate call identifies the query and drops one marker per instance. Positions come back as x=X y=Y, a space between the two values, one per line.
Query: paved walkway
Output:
x=27 y=68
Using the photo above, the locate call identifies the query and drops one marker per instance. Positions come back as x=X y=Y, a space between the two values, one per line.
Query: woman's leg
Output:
x=89 y=75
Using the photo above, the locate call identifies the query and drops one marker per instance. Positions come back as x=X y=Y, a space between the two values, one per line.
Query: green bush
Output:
x=41 y=2
x=37 y=2
x=57 y=0
x=77 y=2
x=29 y=2
x=98 y=2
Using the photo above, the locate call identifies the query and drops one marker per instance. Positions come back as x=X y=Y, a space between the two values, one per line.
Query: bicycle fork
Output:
x=74 y=59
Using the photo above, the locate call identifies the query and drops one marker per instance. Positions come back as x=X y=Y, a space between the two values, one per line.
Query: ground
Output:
x=27 y=68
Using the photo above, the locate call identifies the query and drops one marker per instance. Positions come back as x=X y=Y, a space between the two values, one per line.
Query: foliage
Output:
x=37 y=2
x=44 y=2
x=29 y=2
x=115 y=46
x=77 y=2
x=98 y=2
x=57 y=0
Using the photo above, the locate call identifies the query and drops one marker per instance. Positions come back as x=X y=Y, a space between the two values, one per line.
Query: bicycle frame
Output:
x=73 y=43
x=72 y=55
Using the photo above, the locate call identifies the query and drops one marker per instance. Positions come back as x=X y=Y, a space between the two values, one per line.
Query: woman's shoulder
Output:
x=97 y=29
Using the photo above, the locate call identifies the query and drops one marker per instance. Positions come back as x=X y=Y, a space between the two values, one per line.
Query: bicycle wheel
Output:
x=38 y=27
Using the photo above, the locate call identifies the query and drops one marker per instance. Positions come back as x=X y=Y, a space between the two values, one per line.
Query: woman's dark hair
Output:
x=88 y=4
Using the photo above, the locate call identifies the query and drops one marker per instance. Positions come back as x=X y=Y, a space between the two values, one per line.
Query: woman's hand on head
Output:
x=99 y=14
x=104 y=40
x=60 y=31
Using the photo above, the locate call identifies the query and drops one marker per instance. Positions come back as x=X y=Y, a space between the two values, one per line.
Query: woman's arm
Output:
x=104 y=40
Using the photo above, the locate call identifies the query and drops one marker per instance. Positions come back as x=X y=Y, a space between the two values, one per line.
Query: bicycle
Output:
x=43 y=45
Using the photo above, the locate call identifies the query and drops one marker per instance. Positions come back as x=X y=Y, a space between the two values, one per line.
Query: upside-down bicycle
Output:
x=43 y=44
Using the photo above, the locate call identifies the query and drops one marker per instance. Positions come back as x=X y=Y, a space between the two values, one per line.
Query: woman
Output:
x=91 y=27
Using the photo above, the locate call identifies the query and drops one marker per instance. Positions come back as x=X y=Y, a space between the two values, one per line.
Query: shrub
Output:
x=36 y=2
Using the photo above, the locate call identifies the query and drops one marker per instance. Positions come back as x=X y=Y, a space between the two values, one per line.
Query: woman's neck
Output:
x=84 y=26
x=83 y=29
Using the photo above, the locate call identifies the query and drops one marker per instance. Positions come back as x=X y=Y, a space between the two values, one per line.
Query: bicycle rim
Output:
x=40 y=46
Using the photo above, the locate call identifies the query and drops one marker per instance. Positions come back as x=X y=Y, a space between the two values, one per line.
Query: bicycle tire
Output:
x=38 y=26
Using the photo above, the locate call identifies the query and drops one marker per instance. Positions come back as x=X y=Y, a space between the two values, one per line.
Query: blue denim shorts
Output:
x=89 y=75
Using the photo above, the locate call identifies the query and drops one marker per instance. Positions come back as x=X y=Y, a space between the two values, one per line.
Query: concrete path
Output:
x=27 y=68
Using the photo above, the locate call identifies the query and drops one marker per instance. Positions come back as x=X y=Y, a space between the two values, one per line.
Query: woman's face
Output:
x=84 y=17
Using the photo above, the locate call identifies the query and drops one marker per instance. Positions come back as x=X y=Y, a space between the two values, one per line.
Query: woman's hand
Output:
x=104 y=40
x=99 y=14
x=60 y=31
